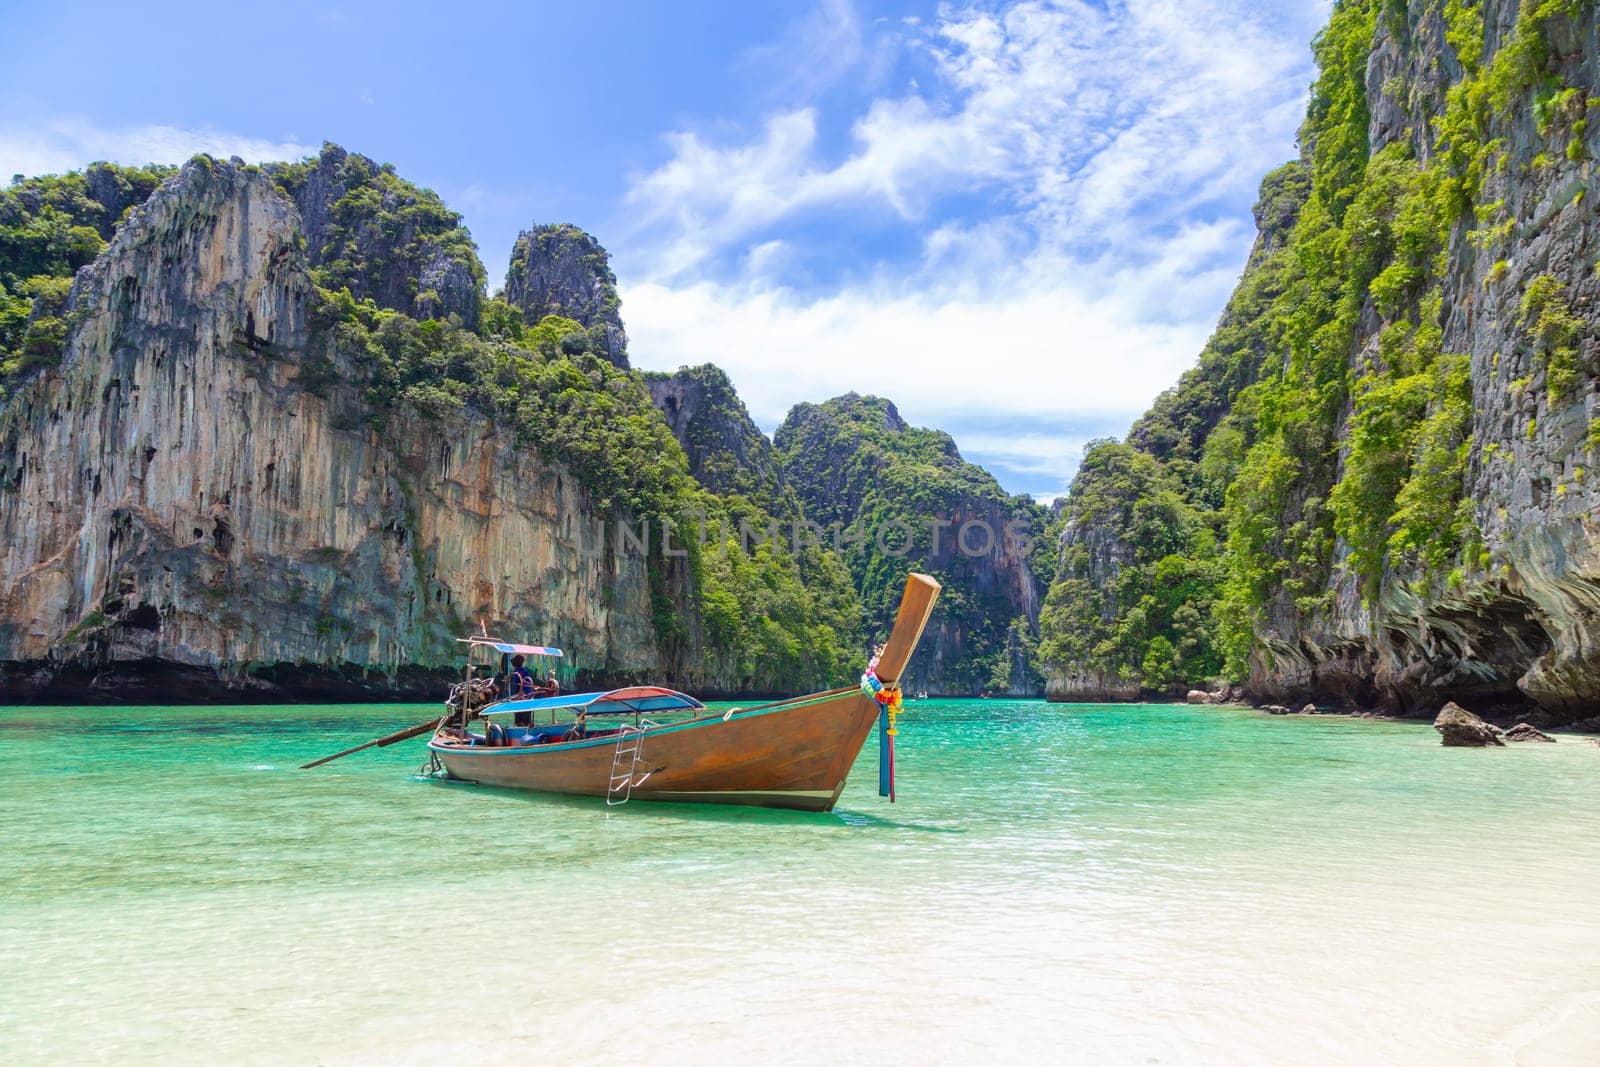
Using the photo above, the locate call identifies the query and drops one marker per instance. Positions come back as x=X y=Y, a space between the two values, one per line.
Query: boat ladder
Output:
x=625 y=766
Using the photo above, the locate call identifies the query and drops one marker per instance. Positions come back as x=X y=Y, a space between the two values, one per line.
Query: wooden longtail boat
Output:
x=789 y=754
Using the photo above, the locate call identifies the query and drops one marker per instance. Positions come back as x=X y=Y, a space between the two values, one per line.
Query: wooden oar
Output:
x=381 y=742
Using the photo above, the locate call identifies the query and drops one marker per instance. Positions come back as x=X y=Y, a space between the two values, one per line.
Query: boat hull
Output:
x=794 y=755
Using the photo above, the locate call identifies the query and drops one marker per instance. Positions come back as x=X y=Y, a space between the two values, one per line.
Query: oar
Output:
x=381 y=742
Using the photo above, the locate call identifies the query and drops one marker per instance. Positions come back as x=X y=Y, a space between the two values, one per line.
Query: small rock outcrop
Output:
x=1198 y=696
x=561 y=270
x=1523 y=732
x=1459 y=728
x=1275 y=709
x=1310 y=709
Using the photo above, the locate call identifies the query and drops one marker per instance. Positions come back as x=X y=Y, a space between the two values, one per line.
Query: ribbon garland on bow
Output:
x=887 y=697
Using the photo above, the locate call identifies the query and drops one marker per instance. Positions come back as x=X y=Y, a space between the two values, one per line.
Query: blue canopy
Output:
x=508 y=647
x=629 y=701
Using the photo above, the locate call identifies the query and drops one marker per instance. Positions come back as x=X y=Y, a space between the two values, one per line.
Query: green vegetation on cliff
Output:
x=558 y=269
x=1325 y=435
x=775 y=618
x=727 y=451
x=1142 y=617
x=375 y=235
x=49 y=227
x=896 y=497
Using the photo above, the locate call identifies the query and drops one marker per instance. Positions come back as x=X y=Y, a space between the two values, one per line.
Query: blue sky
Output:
x=1017 y=220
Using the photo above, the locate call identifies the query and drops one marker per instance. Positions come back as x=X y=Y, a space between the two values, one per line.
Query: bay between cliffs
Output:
x=1117 y=883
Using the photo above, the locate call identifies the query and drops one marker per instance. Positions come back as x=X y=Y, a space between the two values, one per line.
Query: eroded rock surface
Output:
x=1459 y=728
x=561 y=270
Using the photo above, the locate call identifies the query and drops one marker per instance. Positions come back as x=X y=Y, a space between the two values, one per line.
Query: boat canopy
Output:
x=630 y=701
x=508 y=648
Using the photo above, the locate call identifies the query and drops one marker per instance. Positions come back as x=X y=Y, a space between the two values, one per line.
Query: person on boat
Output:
x=523 y=683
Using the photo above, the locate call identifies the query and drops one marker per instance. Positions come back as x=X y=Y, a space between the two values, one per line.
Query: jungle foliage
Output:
x=1299 y=454
x=895 y=497
x=49 y=227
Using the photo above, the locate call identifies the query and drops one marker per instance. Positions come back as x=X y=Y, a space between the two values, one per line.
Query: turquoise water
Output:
x=1080 y=883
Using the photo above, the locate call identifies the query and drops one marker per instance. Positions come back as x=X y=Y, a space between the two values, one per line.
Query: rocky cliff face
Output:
x=1517 y=624
x=177 y=509
x=897 y=497
x=727 y=451
x=383 y=238
x=561 y=270
x=1125 y=614
x=1392 y=507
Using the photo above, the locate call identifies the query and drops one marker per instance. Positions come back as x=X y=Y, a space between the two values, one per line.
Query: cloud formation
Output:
x=1075 y=179
x=65 y=144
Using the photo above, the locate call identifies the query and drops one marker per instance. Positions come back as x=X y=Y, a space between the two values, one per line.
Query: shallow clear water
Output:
x=1057 y=883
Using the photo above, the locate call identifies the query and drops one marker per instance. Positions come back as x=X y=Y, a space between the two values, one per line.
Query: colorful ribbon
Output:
x=889 y=706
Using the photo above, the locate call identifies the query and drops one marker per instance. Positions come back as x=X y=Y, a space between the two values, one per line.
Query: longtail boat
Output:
x=651 y=743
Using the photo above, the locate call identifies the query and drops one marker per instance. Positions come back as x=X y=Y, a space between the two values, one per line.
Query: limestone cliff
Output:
x=1516 y=625
x=896 y=496
x=727 y=451
x=561 y=270
x=1123 y=617
x=177 y=508
x=1373 y=490
x=384 y=239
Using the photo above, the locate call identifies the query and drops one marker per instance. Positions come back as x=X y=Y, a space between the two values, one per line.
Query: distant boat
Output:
x=920 y=694
x=788 y=754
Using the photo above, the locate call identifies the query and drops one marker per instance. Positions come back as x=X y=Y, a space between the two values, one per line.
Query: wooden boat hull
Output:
x=793 y=755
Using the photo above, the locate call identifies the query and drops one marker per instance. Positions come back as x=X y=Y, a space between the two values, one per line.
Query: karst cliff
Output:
x=263 y=436
x=179 y=507
x=1377 y=487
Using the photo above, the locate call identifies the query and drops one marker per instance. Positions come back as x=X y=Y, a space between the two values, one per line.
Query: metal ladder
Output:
x=624 y=765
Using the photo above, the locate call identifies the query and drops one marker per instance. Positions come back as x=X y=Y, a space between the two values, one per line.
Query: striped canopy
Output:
x=629 y=701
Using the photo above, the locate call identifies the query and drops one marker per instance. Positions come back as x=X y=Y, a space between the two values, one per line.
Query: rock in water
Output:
x=1275 y=709
x=1523 y=732
x=1458 y=727
x=1198 y=696
x=1310 y=709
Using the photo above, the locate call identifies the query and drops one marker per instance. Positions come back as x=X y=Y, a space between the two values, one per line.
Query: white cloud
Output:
x=814 y=52
x=1039 y=352
x=1112 y=151
x=64 y=144
x=1029 y=452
